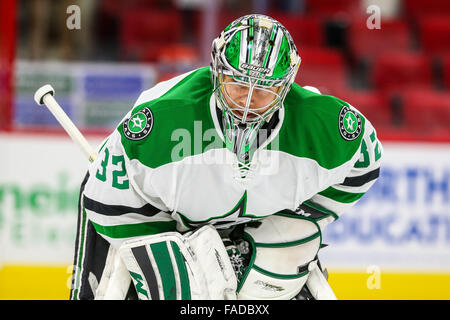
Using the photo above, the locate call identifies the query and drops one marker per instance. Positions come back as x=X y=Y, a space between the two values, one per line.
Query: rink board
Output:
x=53 y=283
x=394 y=244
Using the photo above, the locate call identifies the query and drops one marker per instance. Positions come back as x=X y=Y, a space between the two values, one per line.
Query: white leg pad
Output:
x=174 y=266
x=115 y=280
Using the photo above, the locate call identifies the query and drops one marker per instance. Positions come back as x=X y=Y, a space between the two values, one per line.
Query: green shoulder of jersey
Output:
x=320 y=127
x=172 y=126
x=179 y=124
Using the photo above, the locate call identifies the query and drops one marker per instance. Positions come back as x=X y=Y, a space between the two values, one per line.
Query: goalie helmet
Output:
x=254 y=62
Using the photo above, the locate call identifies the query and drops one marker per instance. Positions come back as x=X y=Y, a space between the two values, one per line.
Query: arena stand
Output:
x=340 y=55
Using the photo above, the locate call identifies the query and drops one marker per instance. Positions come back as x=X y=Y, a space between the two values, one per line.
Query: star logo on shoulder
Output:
x=139 y=125
x=350 y=123
x=137 y=121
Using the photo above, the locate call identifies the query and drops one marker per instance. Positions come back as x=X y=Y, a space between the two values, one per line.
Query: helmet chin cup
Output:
x=240 y=138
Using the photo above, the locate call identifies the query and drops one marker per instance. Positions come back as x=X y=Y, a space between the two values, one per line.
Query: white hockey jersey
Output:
x=166 y=166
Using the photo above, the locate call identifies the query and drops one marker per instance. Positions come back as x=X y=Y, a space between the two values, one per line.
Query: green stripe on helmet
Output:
x=283 y=60
x=250 y=45
x=233 y=50
x=270 y=48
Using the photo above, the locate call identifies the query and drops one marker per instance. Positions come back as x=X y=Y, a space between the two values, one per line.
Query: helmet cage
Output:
x=245 y=113
x=254 y=78
x=240 y=122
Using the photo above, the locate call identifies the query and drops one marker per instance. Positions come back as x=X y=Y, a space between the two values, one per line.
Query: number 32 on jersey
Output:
x=119 y=173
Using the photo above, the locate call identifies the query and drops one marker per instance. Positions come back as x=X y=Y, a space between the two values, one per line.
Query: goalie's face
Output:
x=248 y=101
x=253 y=63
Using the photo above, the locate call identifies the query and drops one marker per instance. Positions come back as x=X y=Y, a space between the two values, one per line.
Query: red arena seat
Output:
x=417 y=8
x=305 y=30
x=322 y=68
x=400 y=69
x=330 y=7
x=114 y=7
x=368 y=43
x=226 y=17
x=144 y=29
x=426 y=110
x=445 y=59
x=373 y=104
x=434 y=33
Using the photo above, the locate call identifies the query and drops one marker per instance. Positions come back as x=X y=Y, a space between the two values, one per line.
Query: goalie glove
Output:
x=281 y=259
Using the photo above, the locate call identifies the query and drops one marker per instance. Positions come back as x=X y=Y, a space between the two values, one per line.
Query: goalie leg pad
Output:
x=283 y=246
x=115 y=279
x=171 y=266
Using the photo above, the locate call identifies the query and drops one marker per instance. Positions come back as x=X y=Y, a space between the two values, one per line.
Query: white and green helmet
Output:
x=254 y=54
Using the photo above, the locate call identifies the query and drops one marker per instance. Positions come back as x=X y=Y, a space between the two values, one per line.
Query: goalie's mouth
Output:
x=240 y=114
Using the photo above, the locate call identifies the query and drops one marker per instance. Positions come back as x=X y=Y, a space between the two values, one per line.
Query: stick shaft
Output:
x=69 y=126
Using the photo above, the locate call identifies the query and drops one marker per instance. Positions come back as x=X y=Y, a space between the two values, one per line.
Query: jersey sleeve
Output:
x=330 y=203
x=115 y=200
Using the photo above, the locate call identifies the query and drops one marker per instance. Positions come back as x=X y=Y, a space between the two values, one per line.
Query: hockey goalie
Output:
x=218 y=183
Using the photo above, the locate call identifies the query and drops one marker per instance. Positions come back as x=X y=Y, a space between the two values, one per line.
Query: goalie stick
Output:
x=45 y=96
